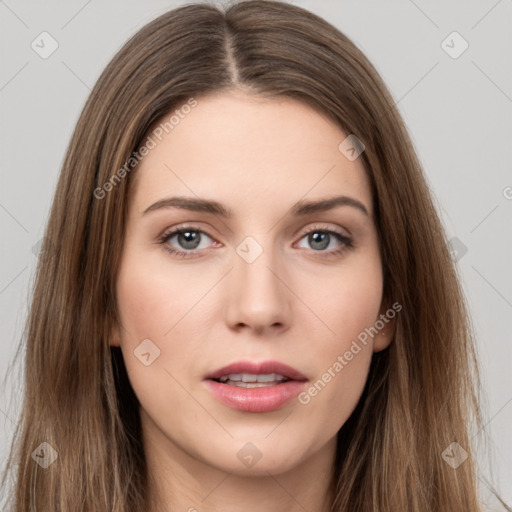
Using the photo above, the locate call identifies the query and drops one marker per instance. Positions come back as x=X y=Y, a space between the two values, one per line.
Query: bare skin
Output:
x=298 y=302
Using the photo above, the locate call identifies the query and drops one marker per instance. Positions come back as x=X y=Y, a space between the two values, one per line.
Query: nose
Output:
x=257 y=295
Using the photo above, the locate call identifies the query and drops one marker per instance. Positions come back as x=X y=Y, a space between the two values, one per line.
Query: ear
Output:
x=385 y=324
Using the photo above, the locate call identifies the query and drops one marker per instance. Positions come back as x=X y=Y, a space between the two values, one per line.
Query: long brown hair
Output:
x=421 y=394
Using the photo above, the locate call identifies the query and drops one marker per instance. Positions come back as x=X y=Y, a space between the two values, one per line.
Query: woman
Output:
x=245 y=298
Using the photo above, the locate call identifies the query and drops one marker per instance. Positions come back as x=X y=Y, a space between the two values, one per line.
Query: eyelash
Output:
x=347 y=242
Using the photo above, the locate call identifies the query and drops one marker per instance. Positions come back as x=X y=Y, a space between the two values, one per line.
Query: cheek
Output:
x=348 y=299
x=349 y=304
x=171 y=309
x=151 y=300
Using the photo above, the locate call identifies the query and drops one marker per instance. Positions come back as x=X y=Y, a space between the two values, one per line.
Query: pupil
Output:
x=322 y=239
x=188 y=239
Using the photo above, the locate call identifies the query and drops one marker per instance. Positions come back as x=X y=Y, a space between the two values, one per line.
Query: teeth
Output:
x=233 y=376
x=249 y=377
x=252 y=384
x=245 y=378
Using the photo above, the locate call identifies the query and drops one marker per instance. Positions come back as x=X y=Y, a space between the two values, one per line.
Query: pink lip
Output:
x=256 y=399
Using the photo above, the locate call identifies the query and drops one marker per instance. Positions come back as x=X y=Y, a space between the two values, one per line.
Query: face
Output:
x=260 y=279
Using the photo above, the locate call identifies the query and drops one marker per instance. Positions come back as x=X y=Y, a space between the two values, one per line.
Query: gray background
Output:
x=458 y=111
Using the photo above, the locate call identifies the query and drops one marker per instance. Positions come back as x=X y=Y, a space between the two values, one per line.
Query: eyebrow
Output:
x=301 y=208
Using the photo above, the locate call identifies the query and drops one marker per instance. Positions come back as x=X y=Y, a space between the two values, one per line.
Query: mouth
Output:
x=255 y=387
x=253 y=372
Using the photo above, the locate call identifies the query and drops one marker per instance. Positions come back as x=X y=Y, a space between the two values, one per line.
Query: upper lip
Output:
x=258 y=368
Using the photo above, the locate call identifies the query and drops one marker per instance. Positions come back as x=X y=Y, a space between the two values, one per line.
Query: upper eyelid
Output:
x=318 y=227
x=175 y=230
x=197 y=227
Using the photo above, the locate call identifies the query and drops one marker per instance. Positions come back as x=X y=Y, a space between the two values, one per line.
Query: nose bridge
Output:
x=257 y=295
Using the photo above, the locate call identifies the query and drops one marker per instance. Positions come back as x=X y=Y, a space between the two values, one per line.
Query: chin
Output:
x=259 y=457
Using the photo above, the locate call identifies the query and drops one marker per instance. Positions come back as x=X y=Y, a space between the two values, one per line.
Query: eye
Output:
x=185 y=241
x=320 y=240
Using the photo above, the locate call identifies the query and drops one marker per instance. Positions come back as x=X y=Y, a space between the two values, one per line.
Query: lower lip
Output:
x=263 y=399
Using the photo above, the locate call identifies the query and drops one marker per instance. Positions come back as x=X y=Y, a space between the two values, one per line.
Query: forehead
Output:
x=249 y=152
